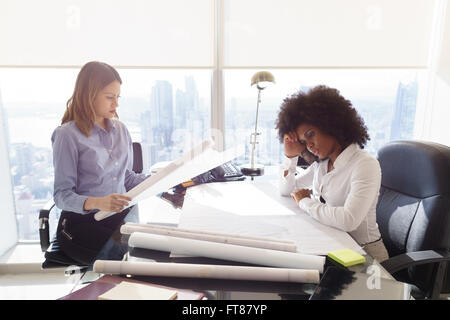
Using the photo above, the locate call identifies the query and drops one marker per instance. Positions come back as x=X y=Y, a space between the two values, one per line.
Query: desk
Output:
x=157 y=210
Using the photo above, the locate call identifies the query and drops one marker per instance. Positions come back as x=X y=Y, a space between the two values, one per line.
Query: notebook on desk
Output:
x=104 y=284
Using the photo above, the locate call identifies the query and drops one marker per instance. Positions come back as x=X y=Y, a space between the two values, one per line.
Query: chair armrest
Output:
x=411 y=259
x=44 y=232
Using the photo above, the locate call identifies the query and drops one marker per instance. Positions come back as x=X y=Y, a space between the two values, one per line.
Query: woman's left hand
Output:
x=300 y=194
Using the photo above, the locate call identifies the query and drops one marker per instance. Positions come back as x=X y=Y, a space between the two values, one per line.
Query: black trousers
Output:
x=81 y=237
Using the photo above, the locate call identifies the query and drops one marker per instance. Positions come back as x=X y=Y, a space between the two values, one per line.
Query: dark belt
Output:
x=371 y=242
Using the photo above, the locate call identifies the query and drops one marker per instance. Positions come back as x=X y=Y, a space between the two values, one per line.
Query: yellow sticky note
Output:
x=346 y=257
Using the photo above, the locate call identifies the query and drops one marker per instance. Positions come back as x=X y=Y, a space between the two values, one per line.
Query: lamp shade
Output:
x=262 y=79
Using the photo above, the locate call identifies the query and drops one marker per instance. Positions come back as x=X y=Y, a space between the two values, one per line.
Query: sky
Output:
x=56 y=85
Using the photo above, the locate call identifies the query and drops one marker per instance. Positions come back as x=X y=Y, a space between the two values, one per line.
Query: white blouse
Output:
x=350 y=192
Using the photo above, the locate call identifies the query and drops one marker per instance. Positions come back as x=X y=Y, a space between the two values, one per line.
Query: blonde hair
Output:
x=93 y=77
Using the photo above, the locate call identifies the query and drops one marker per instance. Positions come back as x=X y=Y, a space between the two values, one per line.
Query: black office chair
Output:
x=413 y=214
x=54 y=256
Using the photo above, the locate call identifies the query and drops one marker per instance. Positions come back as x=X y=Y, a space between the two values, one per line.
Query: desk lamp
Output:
x=262 y=79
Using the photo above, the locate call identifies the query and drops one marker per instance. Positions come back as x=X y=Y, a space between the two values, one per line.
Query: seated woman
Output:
x=322 y=126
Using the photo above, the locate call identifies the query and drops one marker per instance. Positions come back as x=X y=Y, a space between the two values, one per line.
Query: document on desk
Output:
x=196 y=161
x=257 y=209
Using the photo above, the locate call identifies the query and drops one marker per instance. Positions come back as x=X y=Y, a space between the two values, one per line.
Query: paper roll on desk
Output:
x=271 y=244
x=149 y=225
x=198 y=160
x=187 y=270
x=224 y=251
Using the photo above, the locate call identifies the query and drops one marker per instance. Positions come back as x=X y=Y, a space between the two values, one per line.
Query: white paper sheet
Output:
x=197 y=161
x=264 y=243
x=224 y=251
x=206 y=271
x=257 y=209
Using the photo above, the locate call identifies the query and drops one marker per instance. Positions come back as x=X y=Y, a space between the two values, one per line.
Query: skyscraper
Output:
x=161 y=106
x=402 y=126
x=180 y=109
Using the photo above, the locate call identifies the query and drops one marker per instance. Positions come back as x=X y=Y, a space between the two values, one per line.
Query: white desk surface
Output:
x=158 y=211
x=253 y=208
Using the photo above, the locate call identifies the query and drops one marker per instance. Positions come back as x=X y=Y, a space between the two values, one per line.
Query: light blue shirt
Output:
x=93 y=166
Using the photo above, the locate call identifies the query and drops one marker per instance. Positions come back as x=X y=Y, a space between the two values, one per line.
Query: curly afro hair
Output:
x=326 y=109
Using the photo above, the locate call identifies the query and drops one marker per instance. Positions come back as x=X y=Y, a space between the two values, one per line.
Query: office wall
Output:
x=440 y=119
x=440 y=122
x=444 y=58
x=8 y=228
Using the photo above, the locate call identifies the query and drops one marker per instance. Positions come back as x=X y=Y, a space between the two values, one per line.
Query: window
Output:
x=386 y=100
x=374 y=52
x=187 y=65
x=168 y=111
x=33 y=104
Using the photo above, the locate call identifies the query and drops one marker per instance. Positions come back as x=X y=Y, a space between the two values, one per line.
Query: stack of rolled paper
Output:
x=284 y=263
x=257 y=242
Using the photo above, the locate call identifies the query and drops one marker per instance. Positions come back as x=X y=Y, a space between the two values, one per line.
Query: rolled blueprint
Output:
x=188 y=270
x=224 y=251
x=213 y=237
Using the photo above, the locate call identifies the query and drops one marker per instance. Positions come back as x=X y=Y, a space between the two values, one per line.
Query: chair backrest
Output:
x=137 y=157
x=413 y=210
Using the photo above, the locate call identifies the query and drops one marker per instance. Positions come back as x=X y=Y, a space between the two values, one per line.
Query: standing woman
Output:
x=344 y=179
x=92 y=158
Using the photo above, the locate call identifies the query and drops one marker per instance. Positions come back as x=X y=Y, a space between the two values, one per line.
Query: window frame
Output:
x=218 y=93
